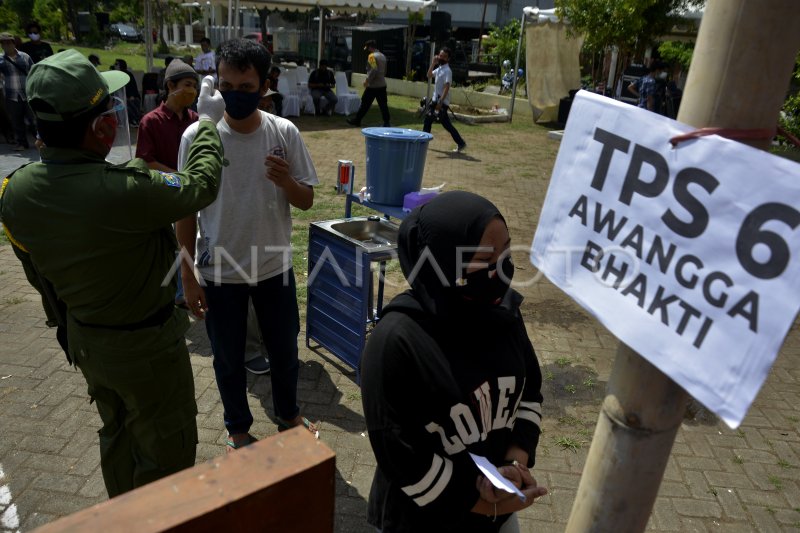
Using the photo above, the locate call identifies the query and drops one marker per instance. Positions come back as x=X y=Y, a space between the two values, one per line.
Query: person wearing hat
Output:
x=374 y=85
x=14 y=66
x=160 y=130
x=275 y=96
x=266 y=103
x=100 y=234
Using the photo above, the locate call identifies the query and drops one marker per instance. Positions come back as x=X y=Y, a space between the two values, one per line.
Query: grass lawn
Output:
x=132 y=53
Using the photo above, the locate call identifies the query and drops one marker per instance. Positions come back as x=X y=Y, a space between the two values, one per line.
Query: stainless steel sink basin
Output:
x=374 y=234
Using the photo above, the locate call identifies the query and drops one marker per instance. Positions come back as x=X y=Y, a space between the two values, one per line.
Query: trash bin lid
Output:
x=397 y=134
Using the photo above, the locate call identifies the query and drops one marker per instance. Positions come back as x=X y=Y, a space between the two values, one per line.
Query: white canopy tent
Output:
x=305 y=5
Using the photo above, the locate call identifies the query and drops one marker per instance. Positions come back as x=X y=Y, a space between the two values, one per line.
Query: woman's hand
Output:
x=494 y=501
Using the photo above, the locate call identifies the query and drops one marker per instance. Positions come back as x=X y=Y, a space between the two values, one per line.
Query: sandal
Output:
x=231 y=445
x=313 y=427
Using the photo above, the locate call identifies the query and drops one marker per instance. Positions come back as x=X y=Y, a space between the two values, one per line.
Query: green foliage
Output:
x=23 y=9
x=9 y=21
x=410 y=76
x=126 y=12
x=677 y=52
x=416 y=18
x=628 y=24
x=790 y=117
x=51 y=16
x=502 y=43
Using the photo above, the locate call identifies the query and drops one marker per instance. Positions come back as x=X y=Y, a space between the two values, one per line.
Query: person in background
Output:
x=132 y=95
x=277 y=98
x=189 y=60
x=266 y=103
x=448 y=371
x=321 y=83
x=161 y=129
x=100 y=234
x=443 y=79
x=94 y=60
x=646 y=88
x=251 y=222
x=36 y=47
x=15 y=66
x=374 y=86
x=206 y=63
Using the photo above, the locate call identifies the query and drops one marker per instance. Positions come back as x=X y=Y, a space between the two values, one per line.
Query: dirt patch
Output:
x=561 y=313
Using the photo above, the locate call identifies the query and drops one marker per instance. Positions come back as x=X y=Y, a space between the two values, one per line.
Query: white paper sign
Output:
x=688 y=255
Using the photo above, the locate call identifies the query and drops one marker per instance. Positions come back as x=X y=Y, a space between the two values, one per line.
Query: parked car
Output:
x=126 y=33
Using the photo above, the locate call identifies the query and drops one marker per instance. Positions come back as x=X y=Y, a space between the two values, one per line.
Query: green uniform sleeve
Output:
x=170 y=196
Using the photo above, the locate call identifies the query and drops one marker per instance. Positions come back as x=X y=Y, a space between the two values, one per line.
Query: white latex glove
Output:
x=210 y=104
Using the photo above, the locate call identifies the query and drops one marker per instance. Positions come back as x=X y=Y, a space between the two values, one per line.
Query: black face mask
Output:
x=239 y=104
x=487 y=285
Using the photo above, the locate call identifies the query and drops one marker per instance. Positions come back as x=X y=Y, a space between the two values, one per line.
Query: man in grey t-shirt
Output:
x=241 y=243
x=375 y=85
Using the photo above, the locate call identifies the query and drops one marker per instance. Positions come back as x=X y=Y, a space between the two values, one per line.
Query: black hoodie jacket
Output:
x=434 y=390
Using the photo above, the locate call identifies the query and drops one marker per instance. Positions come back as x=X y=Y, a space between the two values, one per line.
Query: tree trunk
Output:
x=745 y=53
x=411 y=34
x=160 y=24
x=72 y=18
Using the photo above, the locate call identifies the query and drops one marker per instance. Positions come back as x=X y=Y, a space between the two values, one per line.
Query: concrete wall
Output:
x=458 y=95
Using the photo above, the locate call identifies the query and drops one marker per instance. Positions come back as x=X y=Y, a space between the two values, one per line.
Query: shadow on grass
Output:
x=459 y=156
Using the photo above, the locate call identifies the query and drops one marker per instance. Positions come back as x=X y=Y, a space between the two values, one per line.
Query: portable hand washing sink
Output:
x=341 y=299
x=373 y=234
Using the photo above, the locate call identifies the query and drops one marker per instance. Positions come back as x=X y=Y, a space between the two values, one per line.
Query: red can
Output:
x=344 y=184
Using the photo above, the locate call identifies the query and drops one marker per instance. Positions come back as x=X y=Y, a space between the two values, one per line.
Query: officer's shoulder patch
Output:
x=171 y=179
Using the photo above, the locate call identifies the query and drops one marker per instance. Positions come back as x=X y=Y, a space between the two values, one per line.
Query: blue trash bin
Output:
x=395 y=163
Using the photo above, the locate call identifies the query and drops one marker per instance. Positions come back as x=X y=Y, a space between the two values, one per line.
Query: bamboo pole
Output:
x=739 y=76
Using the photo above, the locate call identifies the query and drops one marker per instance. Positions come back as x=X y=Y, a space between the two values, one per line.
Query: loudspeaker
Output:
x=440 y=25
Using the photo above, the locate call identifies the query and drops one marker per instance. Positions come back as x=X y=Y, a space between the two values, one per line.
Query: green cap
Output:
x=70 y=85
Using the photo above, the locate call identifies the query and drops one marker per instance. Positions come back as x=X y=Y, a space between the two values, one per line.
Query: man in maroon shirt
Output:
x=160 y=130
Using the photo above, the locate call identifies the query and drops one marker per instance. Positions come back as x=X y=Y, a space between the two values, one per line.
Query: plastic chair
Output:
x=291 y=101
x=349 y=101
x=299 y=89
x=302 y=74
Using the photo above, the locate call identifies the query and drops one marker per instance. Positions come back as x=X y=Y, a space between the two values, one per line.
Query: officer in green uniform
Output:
x=101 y=235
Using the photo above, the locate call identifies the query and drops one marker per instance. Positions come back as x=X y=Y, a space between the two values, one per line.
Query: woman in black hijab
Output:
x=448 y=371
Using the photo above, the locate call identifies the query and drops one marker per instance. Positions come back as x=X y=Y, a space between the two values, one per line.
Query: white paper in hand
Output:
x=493 y=475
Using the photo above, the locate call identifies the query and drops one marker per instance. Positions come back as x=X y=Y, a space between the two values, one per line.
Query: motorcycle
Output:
x=507 y=81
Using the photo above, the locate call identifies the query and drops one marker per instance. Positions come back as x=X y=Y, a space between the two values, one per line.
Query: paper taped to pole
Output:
x=688 y=254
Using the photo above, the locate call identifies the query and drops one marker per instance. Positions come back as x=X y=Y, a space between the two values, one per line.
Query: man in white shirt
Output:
x=243 y=247
x=206 y=62
x=440 y=71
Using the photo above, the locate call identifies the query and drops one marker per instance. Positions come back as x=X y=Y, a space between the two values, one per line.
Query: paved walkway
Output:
x=717 y=479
